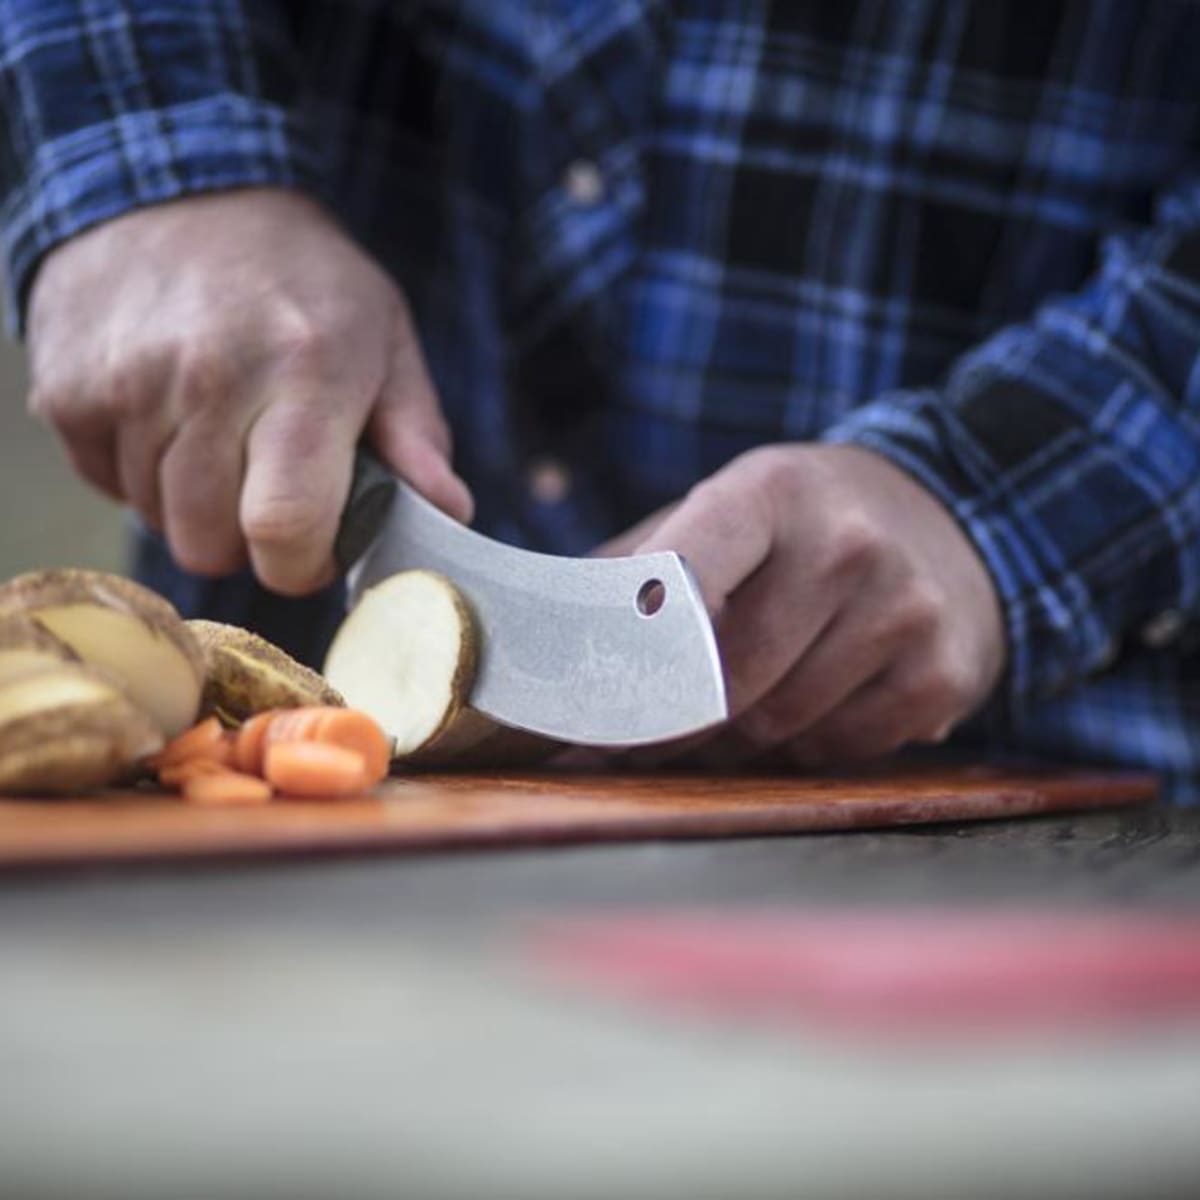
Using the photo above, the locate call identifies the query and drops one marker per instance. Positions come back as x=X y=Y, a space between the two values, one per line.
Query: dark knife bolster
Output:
x=372 y=493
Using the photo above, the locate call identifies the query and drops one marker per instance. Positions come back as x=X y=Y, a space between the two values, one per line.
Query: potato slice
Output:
x=26 y=648
x=69 y=728
x=122 y=628
x=245 y=674
x=407 y=654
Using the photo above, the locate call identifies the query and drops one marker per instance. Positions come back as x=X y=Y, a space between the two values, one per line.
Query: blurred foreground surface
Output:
x=380 y=1028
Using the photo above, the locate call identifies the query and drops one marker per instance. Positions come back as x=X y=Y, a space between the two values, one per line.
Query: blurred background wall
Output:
x=47 y=516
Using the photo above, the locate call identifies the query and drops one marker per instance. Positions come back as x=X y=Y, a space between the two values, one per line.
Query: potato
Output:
x=69 y=728
x=27 y=648
x=246 y=674
x=122 y=628
x=407 y=655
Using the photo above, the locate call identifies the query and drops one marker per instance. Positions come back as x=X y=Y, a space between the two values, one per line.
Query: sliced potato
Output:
x=407 y=655
x=27 y=648
x=123 y=628
x=245 y=674
x=474 y=741
x=69 y=728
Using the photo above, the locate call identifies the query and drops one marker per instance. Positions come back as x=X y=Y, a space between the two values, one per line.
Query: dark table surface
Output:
x=374 y=1027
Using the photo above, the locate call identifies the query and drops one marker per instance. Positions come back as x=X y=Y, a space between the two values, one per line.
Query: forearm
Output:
x=1069 y=449
x=135 y=103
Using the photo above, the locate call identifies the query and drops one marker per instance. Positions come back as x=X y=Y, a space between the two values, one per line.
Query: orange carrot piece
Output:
x=226 y=788
x=294 y=725
x=178 y=774
x=250 y=740
x=204 y=740
x=355 y=730
x=315 y=769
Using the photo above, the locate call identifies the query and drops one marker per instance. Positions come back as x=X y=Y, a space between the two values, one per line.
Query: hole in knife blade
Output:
x=650 y=597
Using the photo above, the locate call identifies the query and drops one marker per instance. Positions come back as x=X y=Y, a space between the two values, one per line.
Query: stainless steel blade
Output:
x=567 y=648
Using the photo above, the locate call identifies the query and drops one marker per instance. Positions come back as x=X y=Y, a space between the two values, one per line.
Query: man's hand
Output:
x=213 y=362
x=853 y=614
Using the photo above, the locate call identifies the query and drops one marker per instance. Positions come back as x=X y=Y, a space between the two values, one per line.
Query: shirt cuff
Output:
x=1056 y=636
x=141 y=158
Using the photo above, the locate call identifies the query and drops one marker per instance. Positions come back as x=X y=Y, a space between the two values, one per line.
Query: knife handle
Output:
x=372 y=492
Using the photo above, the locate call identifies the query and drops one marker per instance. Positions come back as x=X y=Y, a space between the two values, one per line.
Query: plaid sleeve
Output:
x=1069 y=450
x=107 y=105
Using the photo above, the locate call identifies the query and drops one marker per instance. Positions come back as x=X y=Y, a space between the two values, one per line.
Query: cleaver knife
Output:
x=593 y=651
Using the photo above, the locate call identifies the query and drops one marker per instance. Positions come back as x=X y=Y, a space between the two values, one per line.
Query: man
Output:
x=886 y=316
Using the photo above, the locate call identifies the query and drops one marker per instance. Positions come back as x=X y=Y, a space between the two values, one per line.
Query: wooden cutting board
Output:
x=442 y=811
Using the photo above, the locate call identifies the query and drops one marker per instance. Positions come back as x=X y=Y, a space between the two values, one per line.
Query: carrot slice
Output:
x=355 y=730
x=250 y=740
x=177 y=774
x=349 y=728
x=230 y=788
x=294 y=725
x=204 y=740
x=315 y=769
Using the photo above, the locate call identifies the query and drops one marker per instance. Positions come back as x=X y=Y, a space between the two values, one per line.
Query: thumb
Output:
x=409 y=433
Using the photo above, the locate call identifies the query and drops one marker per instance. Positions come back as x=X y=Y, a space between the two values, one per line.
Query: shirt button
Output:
x=584 y=183
x=549 y=481
x=1160 y=631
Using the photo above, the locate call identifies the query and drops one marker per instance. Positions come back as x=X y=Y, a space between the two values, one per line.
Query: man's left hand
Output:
x=854 y=615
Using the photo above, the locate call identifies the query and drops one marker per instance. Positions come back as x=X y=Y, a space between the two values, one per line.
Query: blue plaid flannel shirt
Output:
x=642 y=237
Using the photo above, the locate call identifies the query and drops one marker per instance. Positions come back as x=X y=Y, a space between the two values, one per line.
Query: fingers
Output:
x=94 y=458
x=856 y=645
x=896 y=707
x=215 y=361
x=140 y=447
x=632 y=539
x=90 y=445
x=111 y=429
x=201 y=473
x=837 y=587
x=775 y=608
x=408 y=431
x=773 y=699
x=299 y=459
x=297 y=476
x=721 y=531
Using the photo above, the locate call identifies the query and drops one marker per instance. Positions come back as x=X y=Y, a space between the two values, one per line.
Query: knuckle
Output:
x=299 y=338
x=921 y=610
x=205 y=374
x=947 y=688
x=205 y=558
x=721 y=506
x=855 y=544
x=282 y=524
x=773 y=477
x=128 y=391
x=45 y=400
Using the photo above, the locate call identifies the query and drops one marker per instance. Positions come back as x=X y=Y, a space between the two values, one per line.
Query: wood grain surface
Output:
x=443 y=811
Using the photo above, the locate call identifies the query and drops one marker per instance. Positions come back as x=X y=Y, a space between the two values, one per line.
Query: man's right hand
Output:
x=213 y=362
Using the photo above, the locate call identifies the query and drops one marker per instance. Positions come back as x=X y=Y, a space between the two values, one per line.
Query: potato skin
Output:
x=57 y=587
x=75 y=747
x=19 y=631
x=156 y=660
x=245 y=674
